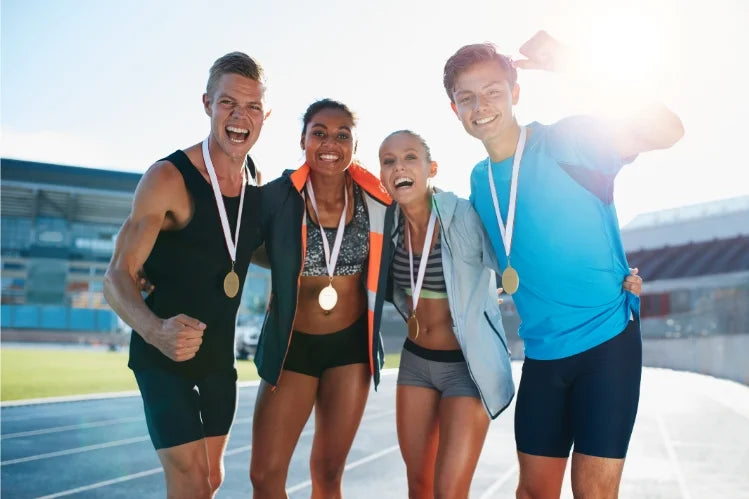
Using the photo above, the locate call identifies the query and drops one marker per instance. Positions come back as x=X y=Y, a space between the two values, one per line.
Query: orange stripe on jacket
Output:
x=374 y=189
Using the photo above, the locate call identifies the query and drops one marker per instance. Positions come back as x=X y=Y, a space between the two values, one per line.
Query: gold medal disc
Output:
x=328 y=298
x=231 y=284
x=510 y=280
x=413 y=327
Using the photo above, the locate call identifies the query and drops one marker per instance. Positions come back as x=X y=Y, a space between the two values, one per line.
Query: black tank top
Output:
x=188 y=267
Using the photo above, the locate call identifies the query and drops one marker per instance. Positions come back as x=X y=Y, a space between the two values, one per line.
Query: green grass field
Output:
x=36 y=373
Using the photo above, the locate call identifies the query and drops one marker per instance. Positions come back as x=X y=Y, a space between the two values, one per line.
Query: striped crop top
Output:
x=434 y=280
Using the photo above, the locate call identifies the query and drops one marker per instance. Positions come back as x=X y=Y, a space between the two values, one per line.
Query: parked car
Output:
x=245 y=340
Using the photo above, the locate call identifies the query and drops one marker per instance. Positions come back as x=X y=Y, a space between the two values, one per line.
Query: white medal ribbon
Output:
x=230 y=245
x=507 y=233
x=416 y=287
x=330 y=260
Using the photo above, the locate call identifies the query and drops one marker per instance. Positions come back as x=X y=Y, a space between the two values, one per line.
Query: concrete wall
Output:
x=722 y=356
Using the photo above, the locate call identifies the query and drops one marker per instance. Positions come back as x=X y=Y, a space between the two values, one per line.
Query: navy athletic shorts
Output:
x=181 y=410
x=589 y=398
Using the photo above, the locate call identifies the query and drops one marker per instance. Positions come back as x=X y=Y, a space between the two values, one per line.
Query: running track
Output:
x=691 y=441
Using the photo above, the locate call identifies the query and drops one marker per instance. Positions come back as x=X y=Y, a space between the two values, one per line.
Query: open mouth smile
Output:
x=484 y=121
x=237 y=135
x=403 y=182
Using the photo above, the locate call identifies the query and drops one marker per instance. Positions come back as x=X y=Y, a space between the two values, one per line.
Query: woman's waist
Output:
x=435 y=331
x=329 y=312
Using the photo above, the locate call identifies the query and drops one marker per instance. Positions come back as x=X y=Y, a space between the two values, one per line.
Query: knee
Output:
x=215 y=479
x=183 y=476
x=445 y=488
x=327 y=472
x=528 y=491
x=266 y=475
x=419 y=486
x=594 y=491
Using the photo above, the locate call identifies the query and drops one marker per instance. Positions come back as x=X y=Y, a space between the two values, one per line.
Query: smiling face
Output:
x=329 y=142
x=405 y=168
x=235 y=107
x=483 y=98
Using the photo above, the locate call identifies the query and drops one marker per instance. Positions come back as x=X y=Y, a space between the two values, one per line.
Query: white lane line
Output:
x=96 y=485
x=493 y=488
x=76 y=450
x=231 y=452
x=310 y=431
x=81 y=426
x=93 y=396
x=364 y=460
x=668 y=443
x=69 y=398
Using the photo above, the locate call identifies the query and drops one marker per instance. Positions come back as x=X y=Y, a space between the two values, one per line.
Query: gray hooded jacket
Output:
x=468 y=265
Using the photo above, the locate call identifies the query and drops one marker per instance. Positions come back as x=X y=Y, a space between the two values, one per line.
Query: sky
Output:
x=118 y=85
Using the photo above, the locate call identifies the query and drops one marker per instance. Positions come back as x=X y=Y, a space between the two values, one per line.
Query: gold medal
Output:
x=328 y=298
x=510 y=277
x=413 y=326
x=231 y=283
x=510 y=280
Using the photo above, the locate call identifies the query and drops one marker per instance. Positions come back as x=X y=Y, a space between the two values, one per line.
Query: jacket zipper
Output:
x=458 y=333
x=496 y=332
x=293 y=319
x=457 y=325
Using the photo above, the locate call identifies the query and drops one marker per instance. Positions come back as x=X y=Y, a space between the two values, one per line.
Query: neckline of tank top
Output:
x=208 y=184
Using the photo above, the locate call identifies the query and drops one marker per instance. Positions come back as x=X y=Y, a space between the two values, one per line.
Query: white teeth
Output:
x=328 y=157
x=484 y=121
x=403 y=182
x=237 y=130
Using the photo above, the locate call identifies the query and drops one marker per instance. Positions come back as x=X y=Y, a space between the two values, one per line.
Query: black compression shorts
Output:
x=181 y=410
x=311 y=354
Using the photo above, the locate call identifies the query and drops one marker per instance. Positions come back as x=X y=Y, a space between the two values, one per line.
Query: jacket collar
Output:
x=444 y=202
x=359 y=174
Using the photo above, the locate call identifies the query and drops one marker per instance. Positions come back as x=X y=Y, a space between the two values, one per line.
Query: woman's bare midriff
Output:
x=352 y=303
x=435 y=325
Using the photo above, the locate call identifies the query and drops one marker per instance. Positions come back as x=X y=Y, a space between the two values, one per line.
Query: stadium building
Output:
x=59 y=225
x=695 y=297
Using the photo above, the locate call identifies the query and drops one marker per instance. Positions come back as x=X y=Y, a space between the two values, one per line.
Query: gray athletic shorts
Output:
x=443 y=370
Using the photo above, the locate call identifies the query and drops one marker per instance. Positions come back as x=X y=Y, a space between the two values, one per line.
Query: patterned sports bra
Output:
x=354 y=247
x=434 y=280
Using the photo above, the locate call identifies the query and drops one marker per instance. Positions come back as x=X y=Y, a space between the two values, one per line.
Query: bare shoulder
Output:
x=162 y=191
x=163 y=173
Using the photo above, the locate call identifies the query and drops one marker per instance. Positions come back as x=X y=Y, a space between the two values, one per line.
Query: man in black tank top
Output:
x=193 y=229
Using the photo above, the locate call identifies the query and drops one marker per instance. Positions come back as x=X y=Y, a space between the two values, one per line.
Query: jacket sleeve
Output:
x=479 y=251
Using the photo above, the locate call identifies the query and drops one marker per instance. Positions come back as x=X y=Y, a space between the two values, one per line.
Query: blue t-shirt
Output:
x=566 y=245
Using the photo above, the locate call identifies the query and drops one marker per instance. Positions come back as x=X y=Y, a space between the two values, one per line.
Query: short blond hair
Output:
x=234 y=63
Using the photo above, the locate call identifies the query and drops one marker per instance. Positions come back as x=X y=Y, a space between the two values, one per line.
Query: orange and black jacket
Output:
x=285 y=234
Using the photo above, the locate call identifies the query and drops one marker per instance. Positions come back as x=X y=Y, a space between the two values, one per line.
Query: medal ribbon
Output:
x=330 y=260
x=416 y=287
x=507 y=234
x=230 y=245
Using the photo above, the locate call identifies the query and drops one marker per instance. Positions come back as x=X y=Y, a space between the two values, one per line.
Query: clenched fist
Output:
x=179 y=337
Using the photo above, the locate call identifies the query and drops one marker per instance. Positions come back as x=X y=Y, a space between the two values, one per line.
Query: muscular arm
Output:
x=157 y=194
x=651 y=126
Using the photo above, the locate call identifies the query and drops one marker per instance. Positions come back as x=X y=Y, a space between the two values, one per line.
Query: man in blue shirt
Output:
x=545 y=197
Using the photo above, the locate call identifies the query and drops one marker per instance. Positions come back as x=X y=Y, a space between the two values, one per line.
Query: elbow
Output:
x=670 y=128
x=675 y=131
x=107 y=286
